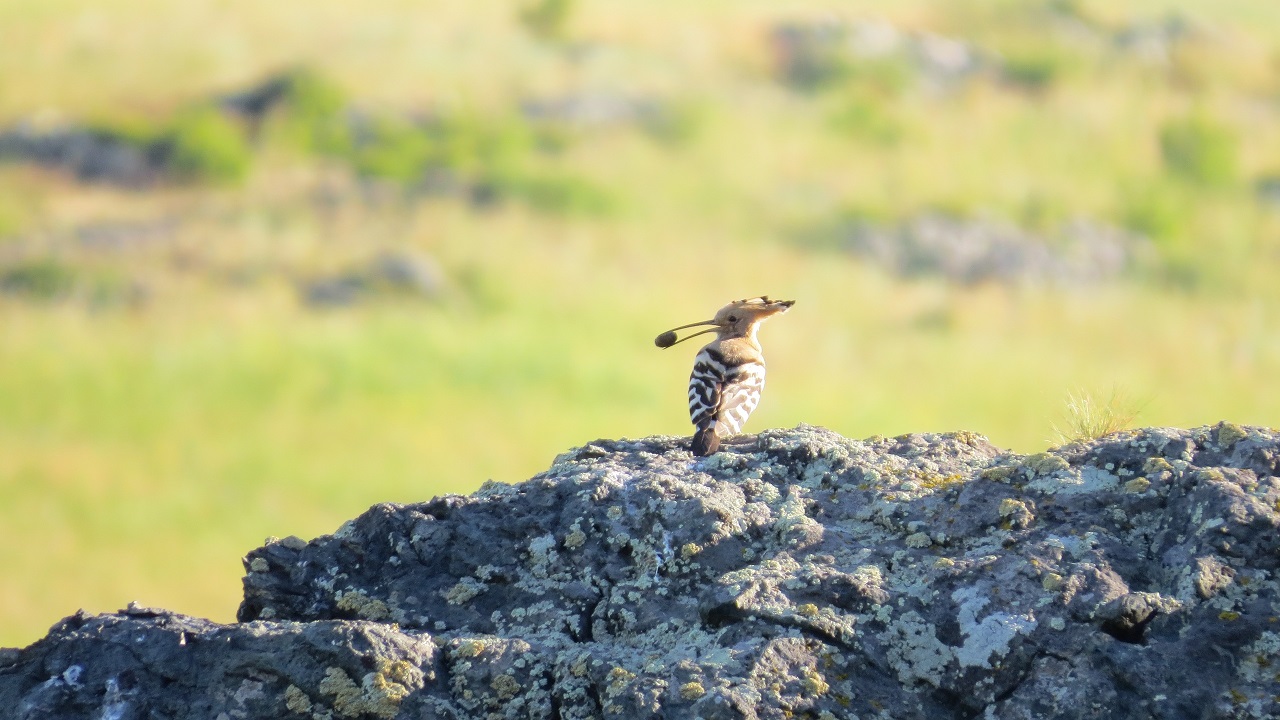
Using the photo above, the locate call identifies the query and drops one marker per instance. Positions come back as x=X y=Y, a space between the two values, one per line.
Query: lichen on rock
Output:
x=794 y=574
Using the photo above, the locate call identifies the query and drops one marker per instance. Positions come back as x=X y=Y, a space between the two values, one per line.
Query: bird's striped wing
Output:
x=739 y=395
x=704 y=388
x=723 y=396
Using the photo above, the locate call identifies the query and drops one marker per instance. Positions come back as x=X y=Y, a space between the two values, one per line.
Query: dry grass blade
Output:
x=1089 y=418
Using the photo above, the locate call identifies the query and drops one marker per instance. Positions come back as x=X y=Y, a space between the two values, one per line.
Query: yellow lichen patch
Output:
x=347 y=698
x=692 y=690
x=688 y=550
x=1009 y=506
x=619 y=678
x=383 y=695
x=815 y=683
x=935 y=481
x=1137 y=485
x=378 y=694
x=1228 y=616
x=1230 y=433
x=363 y=605
x=1044 y=463
x=807 y=609
x=401 y=671
x=469 y=648
x=998 y=474
x=943 y=562
x=1210 y=475
x=505 y=686
x=296 y=700
x=919 y=540
x=1051 y=581
x=575 y=539
x=259 y=565
x=462 y=592
x=1156 y=465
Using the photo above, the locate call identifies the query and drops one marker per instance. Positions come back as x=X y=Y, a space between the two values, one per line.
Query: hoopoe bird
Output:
x=728 y=372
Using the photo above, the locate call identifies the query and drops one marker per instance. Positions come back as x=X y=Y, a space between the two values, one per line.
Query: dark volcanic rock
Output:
x=795 y=574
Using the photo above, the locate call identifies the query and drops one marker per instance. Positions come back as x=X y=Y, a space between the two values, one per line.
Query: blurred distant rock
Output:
x=398 y=273
x=1154 y=40
x=795 y=574
x=1267 y=190
x=811 y=54
x=589 y=109
x=90 y=155
x=975 y=250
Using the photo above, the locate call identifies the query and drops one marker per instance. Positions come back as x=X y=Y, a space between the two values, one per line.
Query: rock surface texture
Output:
x=794 y=574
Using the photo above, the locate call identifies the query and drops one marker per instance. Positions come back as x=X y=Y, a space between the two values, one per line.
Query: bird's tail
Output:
x=706 y=442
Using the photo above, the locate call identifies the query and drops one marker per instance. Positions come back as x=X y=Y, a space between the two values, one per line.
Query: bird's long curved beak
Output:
x=668 y=338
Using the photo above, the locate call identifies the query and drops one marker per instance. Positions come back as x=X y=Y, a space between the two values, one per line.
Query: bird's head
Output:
x=739 y=318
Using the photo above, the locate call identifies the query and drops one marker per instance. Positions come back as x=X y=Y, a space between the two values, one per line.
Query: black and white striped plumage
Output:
x=728 y=373
x=722 y=396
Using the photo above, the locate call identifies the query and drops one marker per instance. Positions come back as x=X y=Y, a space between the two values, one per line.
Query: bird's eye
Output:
x=733 y=318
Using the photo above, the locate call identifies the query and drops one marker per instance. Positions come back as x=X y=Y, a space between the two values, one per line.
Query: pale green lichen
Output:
x=575 y=539
x=259 y=565
x=464 y=591
x=990 y=637
x=358 y=602
x=1009 y=506
x=688 y=550
x=348 y=701
x=919 y=540
x=379 y=694
x=1210 y=475
x=1051 y=581
x=296 y=700
x=1156 y=465
x=619 y=679
x=505 y=687
x=1230 y=433
x=814 y=683
x=470 y=647
x=1261 y=658
x=999 y=473
x=692 y=690
x=915 y=651
x=1137 y=485
x=1044 y=463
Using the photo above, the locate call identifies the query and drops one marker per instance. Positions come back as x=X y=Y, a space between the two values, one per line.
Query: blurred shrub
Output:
x=1200 y=150
x=561 y=195
x=1156 y=210
x=548 y=19
x=393 y=150
x=887 y=77
x=314 y=114
x=1034 y=70
x=203 y=144
x=867 y=117
x=43 y=279
x=676 y=124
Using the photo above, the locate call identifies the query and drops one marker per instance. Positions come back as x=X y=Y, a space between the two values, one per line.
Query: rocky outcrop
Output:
x=795 y=574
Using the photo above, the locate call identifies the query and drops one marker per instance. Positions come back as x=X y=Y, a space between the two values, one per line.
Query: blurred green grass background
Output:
x=170 y=399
